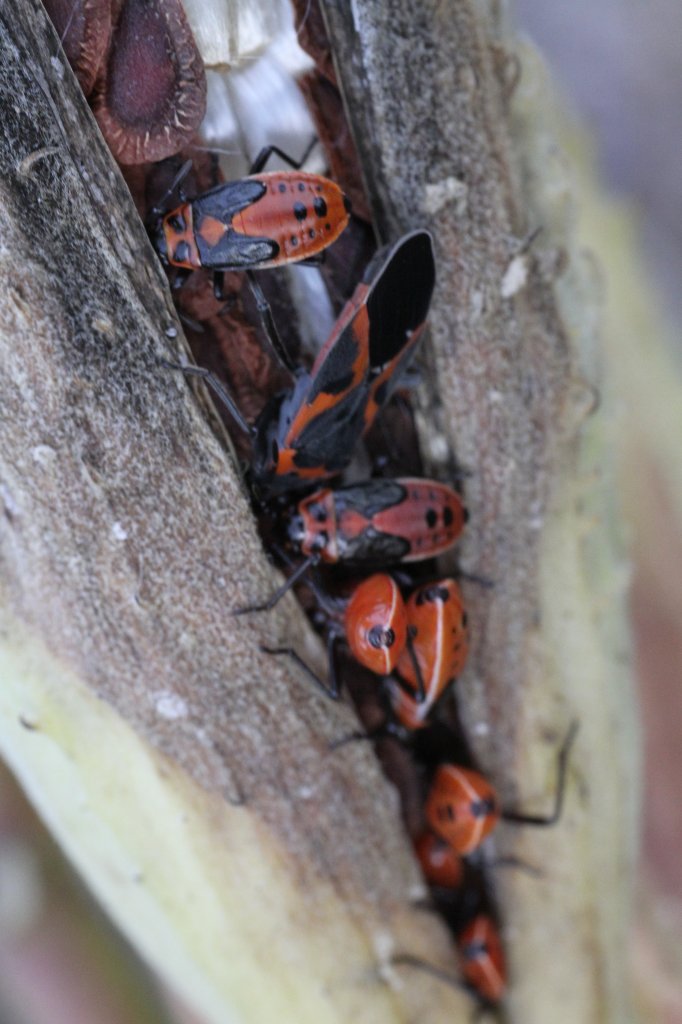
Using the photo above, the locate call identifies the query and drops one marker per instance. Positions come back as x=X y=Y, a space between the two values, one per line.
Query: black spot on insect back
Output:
x=319 y=206
x=431 y=518
x=381 y=638
x=300 y=212
x=483 y=808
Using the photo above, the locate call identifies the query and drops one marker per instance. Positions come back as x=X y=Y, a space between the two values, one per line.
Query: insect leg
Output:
x=217 y=387
x=267 y=151
x=331 y=689
x=268 y=322
x=296 y=575
x=562 y=765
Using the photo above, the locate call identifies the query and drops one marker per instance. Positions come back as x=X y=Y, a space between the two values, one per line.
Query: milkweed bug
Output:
x=444 y=868
x=469 y=918
x=437 y=623
x=482 y=960
x=441 y=865
x=386 y=635
x=379 y=521
x=433 y=655
x=463 y=808
x=373 y=623
x=310 y=432
x=461 y=896
x=264 y=220
x=261 y=221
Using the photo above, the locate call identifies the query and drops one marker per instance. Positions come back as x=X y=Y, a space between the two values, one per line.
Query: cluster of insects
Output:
x=358 y=547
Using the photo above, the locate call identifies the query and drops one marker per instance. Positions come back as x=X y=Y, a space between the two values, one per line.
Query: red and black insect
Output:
x=432 y=657
x=264 y=220
x=437 y=625
x=378 y=522
x=418 y=650
x=461 y=894
x=375 y=624
x=482 y=960
x=310 y=432
x=441 y=865
x=446 y=870
x=463 y=808
x=372 y=621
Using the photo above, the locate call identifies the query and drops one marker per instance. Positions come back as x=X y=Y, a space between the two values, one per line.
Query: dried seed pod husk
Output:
x=151 y=95
x=84 y=27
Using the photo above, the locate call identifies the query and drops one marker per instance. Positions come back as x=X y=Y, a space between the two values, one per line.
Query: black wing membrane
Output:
x=322 y=418
x=330 y=441
x=223 y=201
x=399 y=298
x=336 y=373
x=370 y=497
x=235 y=251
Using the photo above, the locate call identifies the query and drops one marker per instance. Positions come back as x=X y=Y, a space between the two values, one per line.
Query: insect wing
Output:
x=358 y=507
x=320 y=422
x=368 y=342
x=220 y=246
x=397 y=309
x=439 y=645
